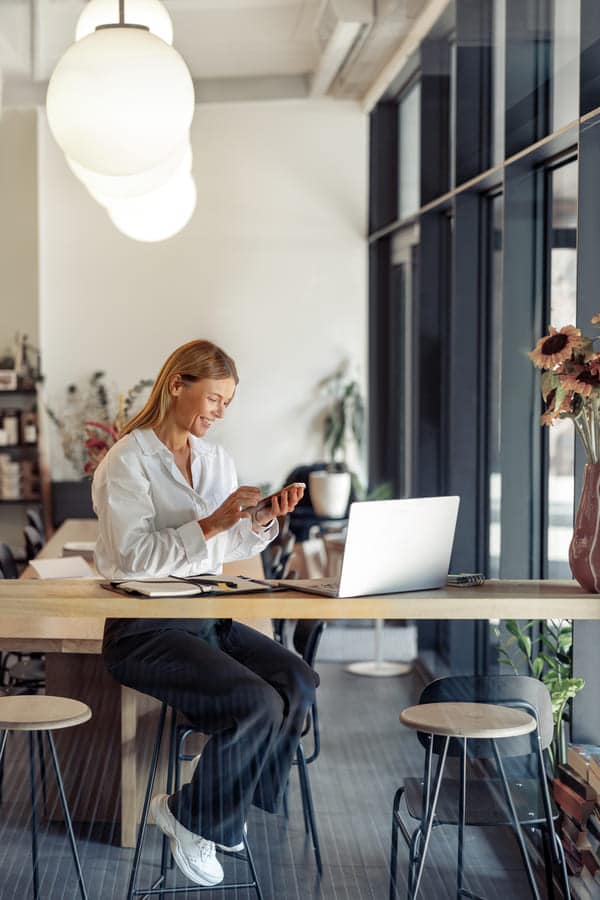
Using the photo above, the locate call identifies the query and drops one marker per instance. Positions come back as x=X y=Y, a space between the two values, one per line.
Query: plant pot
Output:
x=584 y=551
x=329 y=493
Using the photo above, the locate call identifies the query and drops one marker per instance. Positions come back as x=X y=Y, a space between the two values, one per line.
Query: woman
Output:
x=168 y=503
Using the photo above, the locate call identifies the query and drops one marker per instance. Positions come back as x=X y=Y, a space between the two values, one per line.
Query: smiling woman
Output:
x=168 y=503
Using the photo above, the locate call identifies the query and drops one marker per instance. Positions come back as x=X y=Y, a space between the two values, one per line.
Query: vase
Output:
x=329 y=493
x=584 y=551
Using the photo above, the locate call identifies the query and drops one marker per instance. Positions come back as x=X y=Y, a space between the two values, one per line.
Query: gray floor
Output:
x=365 y=754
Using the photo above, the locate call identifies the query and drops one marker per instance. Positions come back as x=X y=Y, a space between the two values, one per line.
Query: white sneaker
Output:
x=237 y=848
x=194 y=855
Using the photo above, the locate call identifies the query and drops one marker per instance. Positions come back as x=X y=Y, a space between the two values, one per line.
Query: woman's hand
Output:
x=237 y=506
x=281 y=504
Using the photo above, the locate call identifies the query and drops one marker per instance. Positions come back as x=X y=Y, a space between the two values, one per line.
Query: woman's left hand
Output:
x=281 y=504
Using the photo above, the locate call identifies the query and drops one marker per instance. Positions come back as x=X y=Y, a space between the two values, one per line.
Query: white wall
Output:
x=273 y=266
x=18 y=226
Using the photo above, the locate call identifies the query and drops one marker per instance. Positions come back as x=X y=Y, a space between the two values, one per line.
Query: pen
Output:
x=215 y=581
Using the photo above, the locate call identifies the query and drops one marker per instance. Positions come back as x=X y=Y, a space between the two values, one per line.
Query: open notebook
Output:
x=189 y=587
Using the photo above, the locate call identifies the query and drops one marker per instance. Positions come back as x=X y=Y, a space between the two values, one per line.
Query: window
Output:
x=494 y=204
x=409 y=150
x=562 y=304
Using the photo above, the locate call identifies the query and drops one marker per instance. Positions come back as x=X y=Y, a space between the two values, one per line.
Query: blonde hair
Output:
x=192 y=361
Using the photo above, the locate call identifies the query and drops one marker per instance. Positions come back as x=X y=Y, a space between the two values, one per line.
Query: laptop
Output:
x=392 y=546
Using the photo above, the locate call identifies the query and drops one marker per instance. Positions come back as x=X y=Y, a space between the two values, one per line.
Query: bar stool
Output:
x=43 y=714
x=178 y=734
x=439 y=723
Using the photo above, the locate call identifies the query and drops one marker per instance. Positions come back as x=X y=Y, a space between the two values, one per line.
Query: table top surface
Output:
x=77 y=609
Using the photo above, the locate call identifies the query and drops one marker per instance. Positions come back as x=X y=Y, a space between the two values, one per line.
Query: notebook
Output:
x=392 y=546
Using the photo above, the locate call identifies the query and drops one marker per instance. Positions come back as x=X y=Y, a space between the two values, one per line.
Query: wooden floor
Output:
x=365 y=754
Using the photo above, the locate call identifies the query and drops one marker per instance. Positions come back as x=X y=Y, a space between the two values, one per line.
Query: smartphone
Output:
x=466 y=579
x=267 y=500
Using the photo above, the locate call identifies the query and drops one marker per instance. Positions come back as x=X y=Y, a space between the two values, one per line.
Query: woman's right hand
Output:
x=237 y=506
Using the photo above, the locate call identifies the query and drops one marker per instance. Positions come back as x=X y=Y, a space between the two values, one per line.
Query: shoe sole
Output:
x=165 y=826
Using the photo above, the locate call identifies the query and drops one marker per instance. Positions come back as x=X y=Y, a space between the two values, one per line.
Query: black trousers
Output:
x=233 y=683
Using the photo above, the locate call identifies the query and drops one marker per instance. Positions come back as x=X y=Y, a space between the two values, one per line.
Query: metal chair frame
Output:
x=418 y=841
x=178 y=734
x=308 y=651
x=63 y=800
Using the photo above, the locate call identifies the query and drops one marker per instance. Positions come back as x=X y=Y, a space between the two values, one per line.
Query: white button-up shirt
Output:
x=148 y=513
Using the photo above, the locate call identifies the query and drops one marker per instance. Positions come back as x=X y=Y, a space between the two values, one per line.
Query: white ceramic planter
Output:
x=329 y=493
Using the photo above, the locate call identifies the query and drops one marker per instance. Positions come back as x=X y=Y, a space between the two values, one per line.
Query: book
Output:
x=160 y=588
x=577 y=807
x=576 y=832
x=583 y=758
x=576 y=782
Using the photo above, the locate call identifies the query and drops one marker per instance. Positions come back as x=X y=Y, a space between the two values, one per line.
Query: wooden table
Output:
x=65 y=619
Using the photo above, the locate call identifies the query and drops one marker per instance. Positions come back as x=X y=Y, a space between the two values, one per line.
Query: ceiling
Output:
x=235 y=49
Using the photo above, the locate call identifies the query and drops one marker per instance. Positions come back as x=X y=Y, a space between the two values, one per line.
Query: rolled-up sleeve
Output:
x=129 y=544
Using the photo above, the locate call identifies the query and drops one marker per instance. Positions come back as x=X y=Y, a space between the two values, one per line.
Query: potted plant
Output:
x=549 y=657
x=343 y=433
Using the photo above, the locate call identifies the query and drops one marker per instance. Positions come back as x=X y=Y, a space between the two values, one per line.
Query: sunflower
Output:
x=553 y=410
x=554 y=348
x=582 y=382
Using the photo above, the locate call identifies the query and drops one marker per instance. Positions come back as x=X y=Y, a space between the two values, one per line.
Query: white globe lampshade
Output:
x=158 y=215
x=138 y=12
x=105 y=189
x=119 y=101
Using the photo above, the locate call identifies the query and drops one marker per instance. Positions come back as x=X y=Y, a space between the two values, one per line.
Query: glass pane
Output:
x=498 y=101
x=494 y=382
x=409 y=144
x=561 y=437
x=565 y=62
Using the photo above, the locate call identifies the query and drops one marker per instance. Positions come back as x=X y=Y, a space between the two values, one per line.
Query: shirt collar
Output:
x=151 y=445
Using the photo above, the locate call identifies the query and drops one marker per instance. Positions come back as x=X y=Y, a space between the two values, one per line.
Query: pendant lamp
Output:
x=158 y=215
x=108 y=188
x=150 y=13
x=120 y=100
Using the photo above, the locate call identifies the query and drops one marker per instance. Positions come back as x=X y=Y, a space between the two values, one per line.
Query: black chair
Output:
x=276 y=558
x=520 y=773
x=178 y=734
x=8 y=564
x=34 y=518
x=33 y=542
x=306 y=639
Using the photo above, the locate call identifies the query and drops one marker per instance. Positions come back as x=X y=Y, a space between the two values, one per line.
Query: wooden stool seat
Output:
x=37 y=712
x=468 y=720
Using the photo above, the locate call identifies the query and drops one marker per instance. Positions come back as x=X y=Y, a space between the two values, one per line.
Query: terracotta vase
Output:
x=584 y=551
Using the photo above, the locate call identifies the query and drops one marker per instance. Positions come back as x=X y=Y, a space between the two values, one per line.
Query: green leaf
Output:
x=537 y=667
x=524 y=642
x=512 y=627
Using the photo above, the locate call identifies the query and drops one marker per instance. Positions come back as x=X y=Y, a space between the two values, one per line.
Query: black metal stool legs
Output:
x=431 y=798
x=517 y=825
x=68 y=823
x=307 y=806
x=176 y=737
x=34 y=847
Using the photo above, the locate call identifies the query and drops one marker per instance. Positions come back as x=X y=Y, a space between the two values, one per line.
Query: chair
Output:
x=306 y=639
x=178 y=734
x=43 y=715
x=479 y=801
x=33 y=542
x=8 y=565
x=34 y=519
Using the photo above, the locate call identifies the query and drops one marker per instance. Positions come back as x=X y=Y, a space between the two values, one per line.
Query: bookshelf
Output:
x=20 y=469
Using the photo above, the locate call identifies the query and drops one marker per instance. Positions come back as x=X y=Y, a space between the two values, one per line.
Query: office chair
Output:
x=524 y=776
x=34 y=518
x=33 y=542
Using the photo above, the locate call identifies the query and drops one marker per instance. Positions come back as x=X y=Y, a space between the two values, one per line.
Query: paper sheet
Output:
x=63 y=567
